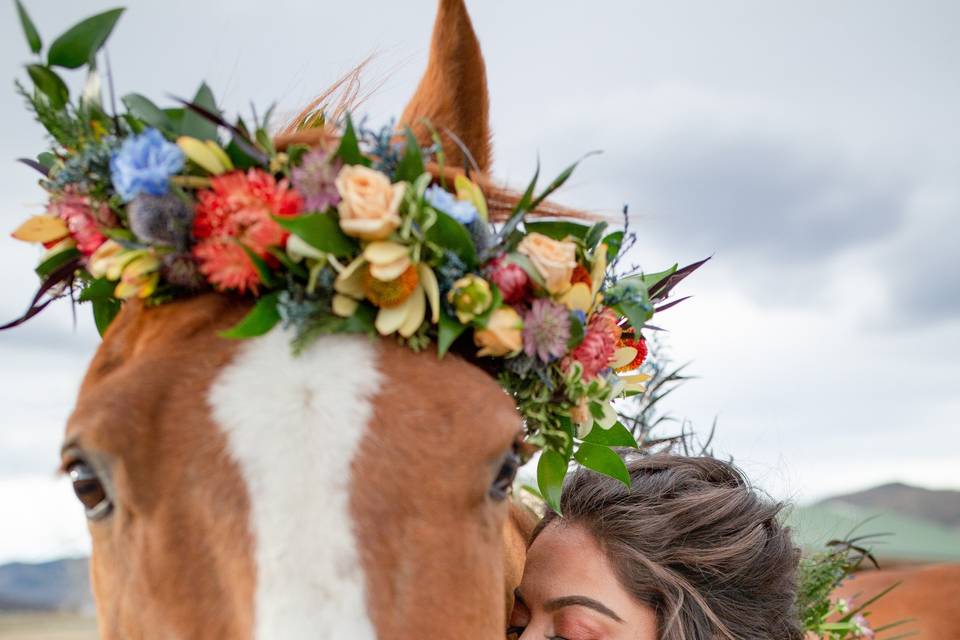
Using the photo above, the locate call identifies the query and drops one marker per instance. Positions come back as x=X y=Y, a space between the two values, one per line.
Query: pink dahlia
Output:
x=513 y=281
x=546 y=330
x=235 y=213
x=599 y=344
x=84 y=219
x=314 y=178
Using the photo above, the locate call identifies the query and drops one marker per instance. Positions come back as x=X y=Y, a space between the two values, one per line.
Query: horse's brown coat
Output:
x=175 y=559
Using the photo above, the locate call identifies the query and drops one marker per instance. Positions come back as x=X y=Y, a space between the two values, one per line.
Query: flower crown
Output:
x=371 y=233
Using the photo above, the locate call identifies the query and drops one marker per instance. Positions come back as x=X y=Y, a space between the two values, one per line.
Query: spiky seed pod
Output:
x=181 y=270
x=161 y=220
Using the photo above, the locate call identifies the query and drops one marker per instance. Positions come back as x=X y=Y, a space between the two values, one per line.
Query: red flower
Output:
x=235 y=213
x=513 y=281
x=640 y=345
x=83 y=219
x=596 y=351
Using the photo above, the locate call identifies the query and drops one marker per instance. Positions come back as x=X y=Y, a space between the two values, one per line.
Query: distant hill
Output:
x=60 y=585
x=940 y=506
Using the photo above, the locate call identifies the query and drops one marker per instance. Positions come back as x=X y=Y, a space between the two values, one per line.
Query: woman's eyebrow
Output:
x=580 y=601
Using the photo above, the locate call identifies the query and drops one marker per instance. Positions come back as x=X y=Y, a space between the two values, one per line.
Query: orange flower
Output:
x=235 y=213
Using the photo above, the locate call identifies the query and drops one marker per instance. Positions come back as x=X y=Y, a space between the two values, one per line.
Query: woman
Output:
x=689 y=552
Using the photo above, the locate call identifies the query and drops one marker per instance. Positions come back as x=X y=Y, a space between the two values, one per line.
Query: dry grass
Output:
x=47 y=626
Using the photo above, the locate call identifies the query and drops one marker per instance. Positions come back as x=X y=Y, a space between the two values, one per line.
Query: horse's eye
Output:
x=504 y=480
x=89 y=490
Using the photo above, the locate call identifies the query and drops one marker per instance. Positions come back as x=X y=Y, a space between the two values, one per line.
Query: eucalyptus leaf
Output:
x=321 y=231
x=196 y=125
x=551 y=470
x=29 y=30
x=603 y=459
x=49 y=84
x=145 y=110
x=80 y=43
x=613 y=241
x=593 y=236
x=261 y=319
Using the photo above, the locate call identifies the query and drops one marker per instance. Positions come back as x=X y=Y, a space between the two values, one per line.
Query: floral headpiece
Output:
x=370 y=234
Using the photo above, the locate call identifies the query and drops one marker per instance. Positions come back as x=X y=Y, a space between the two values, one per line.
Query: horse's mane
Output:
x=315 y=125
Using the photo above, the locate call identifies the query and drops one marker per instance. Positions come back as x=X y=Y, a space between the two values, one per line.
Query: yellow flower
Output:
x=469 y=191
x=388 y=260
x=470 y=297
x=140 y=277
x=108 y=260
x=406 y=318
x=369 y=206
x=206 y=154
x=503 y=335
x=554 y=260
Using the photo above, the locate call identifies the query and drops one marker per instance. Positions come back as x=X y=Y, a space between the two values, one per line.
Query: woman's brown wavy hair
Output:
x=692 y=539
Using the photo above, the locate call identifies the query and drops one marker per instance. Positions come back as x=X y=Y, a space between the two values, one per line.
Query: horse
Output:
x=924 y=600
x=234 y=490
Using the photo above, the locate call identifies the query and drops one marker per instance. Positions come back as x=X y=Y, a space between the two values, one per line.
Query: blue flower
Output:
x=144 y=164
x=442 y=200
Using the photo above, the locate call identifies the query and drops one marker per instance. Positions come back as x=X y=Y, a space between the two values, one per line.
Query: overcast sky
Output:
x=811 y=147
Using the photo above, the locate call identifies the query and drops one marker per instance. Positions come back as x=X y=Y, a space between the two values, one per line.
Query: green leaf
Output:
x=650 y=279
x=321 y=231
x=29 y=30
x=616 y=436
x=629 y=297
x=558 y=229
x=593 y=236
x=56 y=261
x=261 y=319
x=143 y=109
x=195 y=125
x=263 y=269
x=99 y=289
x=576 y=332
x=551 y=470
x=349 y=149
x=410 y=166
x=46 y=159
x=603 y=459
x=448 y=331
x=80 y=43
x=450 y=234
x=104 y=311
x=558 y=181
x=613 y=241
x=49 y=84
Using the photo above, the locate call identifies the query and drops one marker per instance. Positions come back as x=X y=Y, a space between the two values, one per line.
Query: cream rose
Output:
x=369 y=205
x=503 y=335
x=555 y=260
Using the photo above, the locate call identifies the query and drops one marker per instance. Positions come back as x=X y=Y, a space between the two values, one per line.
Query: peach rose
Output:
x=369 y=206
x=503 y=335
x=555 y=260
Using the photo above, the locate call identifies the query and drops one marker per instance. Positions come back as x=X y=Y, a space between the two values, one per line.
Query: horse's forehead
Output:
x=293 y=426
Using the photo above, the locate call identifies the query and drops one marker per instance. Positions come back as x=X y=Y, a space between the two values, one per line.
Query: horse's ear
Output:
x=452 y=94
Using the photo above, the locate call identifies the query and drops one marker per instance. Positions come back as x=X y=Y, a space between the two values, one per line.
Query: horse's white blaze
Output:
x=293 y=425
